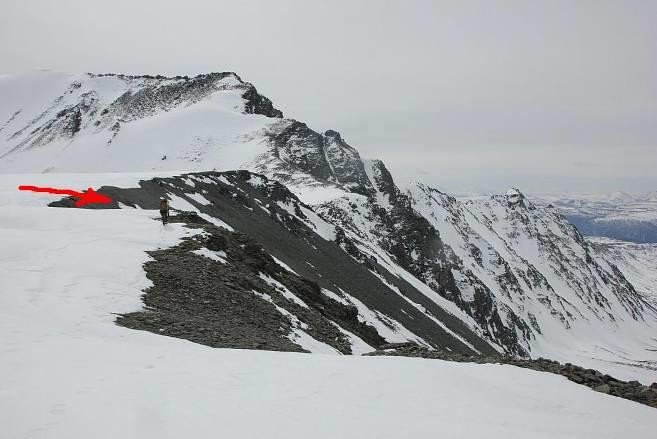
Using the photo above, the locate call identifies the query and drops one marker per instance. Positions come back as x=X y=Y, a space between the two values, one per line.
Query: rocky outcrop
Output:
x=388 y=218
x=255 y=103
x=266 y=214
x=222 y=289
x=603 y=383
x=328 y=158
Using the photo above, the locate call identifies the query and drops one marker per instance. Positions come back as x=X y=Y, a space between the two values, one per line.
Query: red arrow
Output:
x=88 y=197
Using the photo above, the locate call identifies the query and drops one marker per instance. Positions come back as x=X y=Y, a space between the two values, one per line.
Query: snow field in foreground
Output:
x=145 y=386
x=67 y=371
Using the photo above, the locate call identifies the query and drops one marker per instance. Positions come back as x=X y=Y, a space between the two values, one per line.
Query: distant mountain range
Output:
x=618 y=216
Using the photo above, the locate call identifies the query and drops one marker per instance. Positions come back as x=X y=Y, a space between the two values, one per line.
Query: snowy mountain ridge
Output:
x=60 y=122
x=638 y=262
x=518 y=277
x=547 y=281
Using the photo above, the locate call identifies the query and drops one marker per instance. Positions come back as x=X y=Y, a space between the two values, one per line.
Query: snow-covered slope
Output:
x=54 y=122
x=69 y=371
x=517 y=276
x=638 y=262
x=563 y=298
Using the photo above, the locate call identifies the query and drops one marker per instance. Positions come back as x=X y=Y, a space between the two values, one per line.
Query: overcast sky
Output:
x=466 y=95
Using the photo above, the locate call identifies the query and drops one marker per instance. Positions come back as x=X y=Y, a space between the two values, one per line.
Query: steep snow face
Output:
x=383 y=228
x=637 y=262
x=540 y=279
x=116 y=123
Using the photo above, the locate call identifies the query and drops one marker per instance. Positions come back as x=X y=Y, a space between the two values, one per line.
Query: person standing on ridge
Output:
x=164 y=210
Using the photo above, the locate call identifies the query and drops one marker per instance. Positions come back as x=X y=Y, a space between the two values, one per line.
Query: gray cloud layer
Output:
x=468 y=95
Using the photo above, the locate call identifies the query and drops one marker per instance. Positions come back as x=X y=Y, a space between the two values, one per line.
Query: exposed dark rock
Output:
x=327 y=157
x=417 y=247
x=274 y=218
x=632 y=390
x=258 y=104
x=229 y=304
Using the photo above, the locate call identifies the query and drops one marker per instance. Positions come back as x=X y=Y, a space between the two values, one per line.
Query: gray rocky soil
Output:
x=267 y=214
x=221 y=304
x=632 y=390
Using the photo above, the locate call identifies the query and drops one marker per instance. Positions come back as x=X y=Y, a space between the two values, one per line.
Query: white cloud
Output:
x=420 y=79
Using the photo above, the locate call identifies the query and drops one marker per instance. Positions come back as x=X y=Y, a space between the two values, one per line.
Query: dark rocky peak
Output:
x=326 y=157
x=514 y=199
x=335 y=136
x=259 y=104
x=385 y=184
x=161 y=78
x=176 y=88
x=154 y=95
x=345 y=162
x=299 y=146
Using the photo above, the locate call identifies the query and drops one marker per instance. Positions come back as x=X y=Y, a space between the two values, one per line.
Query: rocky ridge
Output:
x=251 y=302
x=594 y=379
x=270 y=217
x=83 y=106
